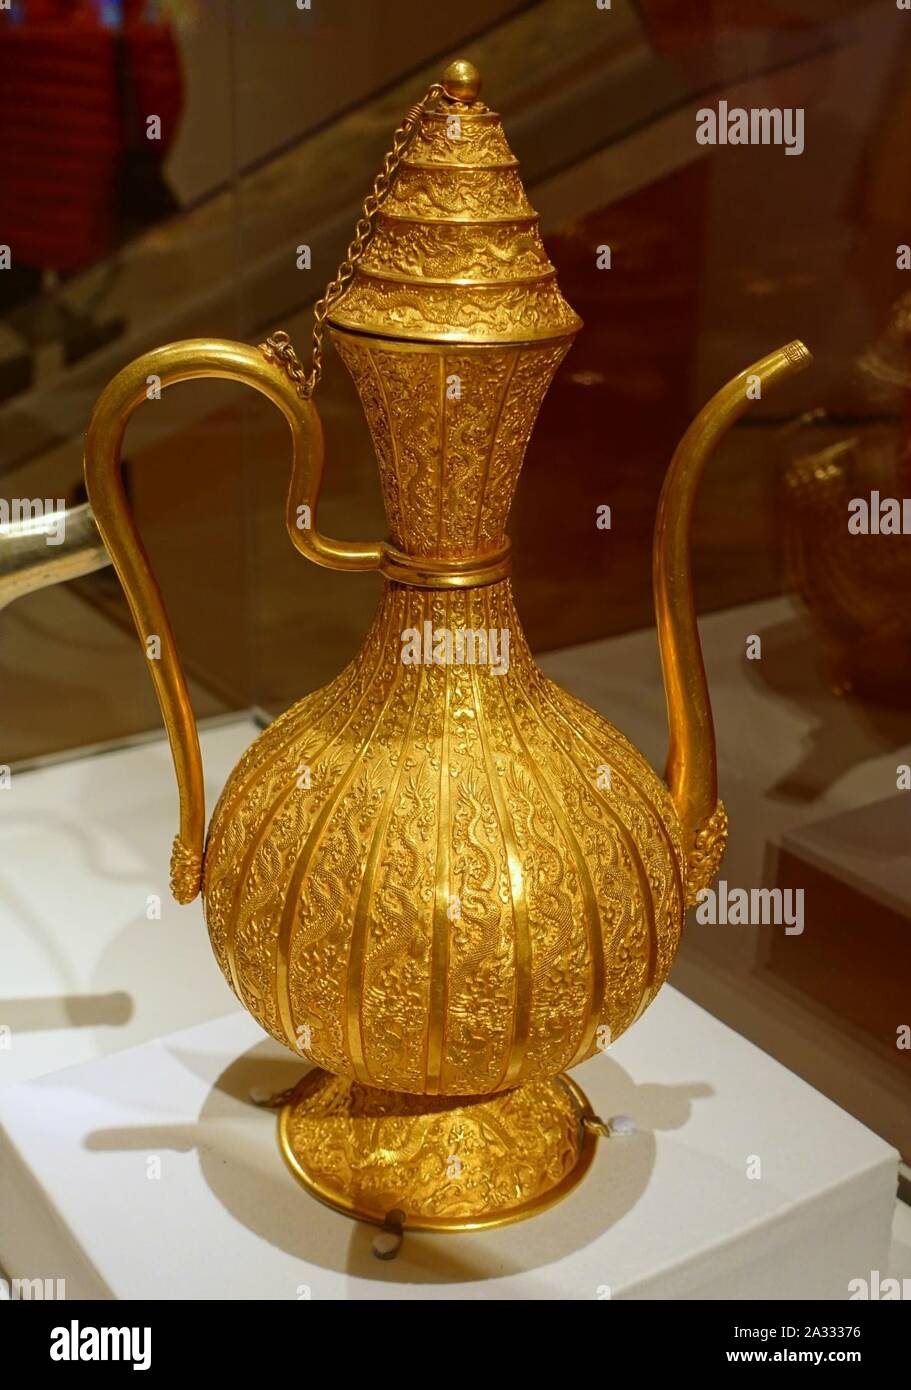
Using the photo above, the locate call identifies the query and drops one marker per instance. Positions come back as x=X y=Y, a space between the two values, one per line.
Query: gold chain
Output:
x=279 y=348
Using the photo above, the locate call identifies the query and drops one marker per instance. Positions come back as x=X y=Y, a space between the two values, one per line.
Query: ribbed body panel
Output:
x=420 y=877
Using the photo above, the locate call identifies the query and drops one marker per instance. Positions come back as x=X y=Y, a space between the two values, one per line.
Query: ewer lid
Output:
x=456 y=255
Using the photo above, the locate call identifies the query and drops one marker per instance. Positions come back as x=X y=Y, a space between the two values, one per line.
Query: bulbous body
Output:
x=444 y=879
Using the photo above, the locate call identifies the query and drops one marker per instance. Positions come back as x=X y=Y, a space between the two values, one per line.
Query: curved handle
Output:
x=692 y=773
x=198 y=357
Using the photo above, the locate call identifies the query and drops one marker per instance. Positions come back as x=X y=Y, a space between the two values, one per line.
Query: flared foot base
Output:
x=432 y=1163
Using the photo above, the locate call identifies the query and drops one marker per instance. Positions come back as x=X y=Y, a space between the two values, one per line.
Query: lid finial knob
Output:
x=462 y=81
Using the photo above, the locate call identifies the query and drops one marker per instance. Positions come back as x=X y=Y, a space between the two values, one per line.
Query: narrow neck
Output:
x=450 y=425
x=454 y=631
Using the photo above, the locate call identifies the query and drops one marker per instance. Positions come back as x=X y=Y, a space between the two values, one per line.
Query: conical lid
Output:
x=456 y=255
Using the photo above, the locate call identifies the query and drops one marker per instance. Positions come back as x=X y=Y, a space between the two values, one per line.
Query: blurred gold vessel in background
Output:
x=857 y=587
x=443 y=881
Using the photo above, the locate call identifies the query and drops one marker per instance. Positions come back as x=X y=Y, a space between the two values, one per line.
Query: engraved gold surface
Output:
x=471 y=313
x=439 y=1165
x=481 y=143
x=704 y=859
x=456 y=254
x=186 y=871
x=451 y=906
x=431 y=251
x=449 y=465
x=442 y=881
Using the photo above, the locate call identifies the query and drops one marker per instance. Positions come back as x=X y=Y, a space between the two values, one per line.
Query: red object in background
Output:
x=67 y=84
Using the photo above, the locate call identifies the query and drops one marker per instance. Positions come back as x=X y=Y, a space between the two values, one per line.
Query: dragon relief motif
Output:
x=487 y=313
x=444 y=1163
x=560 y=967
x=452 y=905
x=378 y=914
x=481 y=959
x=446 y=191
x=394 y=1000
x=449 y=251
x=449 y=461
x=476 y=140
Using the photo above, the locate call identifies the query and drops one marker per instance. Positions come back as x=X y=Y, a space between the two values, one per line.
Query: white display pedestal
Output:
x=865 y=848
x=148 y=1173
x=83 y=845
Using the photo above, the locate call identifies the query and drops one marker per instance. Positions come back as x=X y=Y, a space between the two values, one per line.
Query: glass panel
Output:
x=687 y=257
x=117 y=154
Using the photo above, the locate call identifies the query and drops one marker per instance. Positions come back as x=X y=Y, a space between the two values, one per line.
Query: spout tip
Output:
x=798 y=353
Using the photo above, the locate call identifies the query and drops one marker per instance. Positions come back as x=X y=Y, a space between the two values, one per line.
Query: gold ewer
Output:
x=441 y=879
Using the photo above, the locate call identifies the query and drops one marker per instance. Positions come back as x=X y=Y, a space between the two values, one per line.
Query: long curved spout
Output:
x=47 y=549
x=692 y=773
